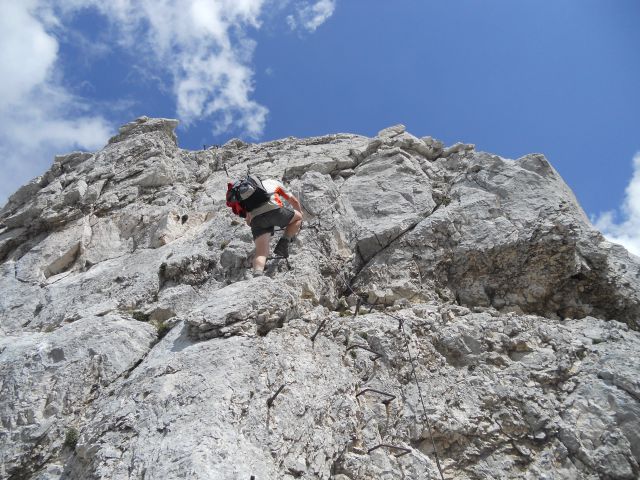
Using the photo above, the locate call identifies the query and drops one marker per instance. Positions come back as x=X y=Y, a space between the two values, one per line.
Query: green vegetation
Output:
x=162 y=328
x=140 y=316
x=71 y=438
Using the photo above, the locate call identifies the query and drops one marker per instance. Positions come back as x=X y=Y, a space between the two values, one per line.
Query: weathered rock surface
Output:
x=133 y=347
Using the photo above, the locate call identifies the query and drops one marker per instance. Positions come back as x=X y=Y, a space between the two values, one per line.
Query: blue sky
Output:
x=558 y=77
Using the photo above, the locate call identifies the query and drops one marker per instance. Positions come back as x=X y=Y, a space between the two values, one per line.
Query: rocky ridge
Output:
x=132 y=346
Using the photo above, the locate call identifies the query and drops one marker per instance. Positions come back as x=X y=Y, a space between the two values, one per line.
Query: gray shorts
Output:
x=266 y=222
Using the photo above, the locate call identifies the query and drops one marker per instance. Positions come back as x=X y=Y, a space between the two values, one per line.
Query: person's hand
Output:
x=295 y=203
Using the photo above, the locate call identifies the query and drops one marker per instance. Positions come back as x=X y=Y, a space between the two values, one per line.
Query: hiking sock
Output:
x=258 y=273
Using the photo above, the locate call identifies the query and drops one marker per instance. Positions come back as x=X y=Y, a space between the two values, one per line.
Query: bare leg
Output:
x=262 y=251
x=294 y=225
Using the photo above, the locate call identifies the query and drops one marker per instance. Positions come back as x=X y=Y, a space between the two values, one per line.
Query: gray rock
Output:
x=48 y=379
x=133 y=346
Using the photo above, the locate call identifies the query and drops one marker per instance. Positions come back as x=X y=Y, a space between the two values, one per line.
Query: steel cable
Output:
x=413 y=371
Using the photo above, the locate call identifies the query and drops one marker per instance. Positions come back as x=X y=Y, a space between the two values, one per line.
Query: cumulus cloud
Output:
x=39 y=117
x=203 y=46
x=626 y=230
x=310 y=15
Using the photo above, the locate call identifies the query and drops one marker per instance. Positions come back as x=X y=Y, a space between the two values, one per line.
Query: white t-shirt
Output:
x=278 y=196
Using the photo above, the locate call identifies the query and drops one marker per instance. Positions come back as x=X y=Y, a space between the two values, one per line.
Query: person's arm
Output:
x=294 y=202
x=247 y=219
x=291 y=198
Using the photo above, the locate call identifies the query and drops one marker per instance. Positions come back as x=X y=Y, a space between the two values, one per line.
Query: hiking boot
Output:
x=249 y=274
x=282 y=248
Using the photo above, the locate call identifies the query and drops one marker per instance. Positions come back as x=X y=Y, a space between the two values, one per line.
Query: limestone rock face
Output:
x=440 y=305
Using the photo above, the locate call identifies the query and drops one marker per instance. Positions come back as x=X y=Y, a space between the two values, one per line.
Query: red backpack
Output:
x=235 y=205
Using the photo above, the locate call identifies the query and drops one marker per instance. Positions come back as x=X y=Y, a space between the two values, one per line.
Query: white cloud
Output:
x=626 y=232
x=39 y=118
x=310 y=15
x=203 y=45
x=27 y=52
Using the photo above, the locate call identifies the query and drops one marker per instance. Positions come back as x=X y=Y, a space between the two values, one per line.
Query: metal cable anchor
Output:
x=362 y=347
x=273 y=397
x=403 y=450
x=379 y=392
x=313 y=337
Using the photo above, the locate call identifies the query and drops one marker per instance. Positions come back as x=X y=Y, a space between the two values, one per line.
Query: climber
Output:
x=261 y=203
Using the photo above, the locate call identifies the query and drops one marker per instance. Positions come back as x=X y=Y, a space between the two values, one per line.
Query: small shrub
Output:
x=71 y=438
x=162 y=328
x=224 y=244
x=140 y=316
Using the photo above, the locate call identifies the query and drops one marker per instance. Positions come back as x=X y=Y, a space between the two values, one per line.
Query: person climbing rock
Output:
x=261 y=203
